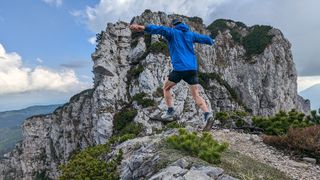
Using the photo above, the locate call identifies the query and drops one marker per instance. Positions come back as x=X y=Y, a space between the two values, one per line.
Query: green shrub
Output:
x=217 y=25
x=134 y=72
x=204 y=146
x=130 y=129
x=300 y=141
x=174 y=124
x=159 y=47
x=254 y=43
x=281 y=122
x=222 y=116
x=124 y=127
x=221 y=25
x=314 y=117
x=87 y=165
x=236 y=36
x=195 y=19
x=122 y=118
x=142 y=100
x=257 y=40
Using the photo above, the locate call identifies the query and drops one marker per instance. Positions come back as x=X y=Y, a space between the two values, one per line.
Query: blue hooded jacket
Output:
x=181 y=40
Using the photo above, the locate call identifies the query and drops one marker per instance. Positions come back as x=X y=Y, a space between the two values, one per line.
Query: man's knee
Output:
x=167 y=86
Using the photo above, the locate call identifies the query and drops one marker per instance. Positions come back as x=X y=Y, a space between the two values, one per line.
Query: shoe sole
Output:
x=209 y=124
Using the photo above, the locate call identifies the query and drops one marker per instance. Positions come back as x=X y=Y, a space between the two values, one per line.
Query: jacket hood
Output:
x=182 y=27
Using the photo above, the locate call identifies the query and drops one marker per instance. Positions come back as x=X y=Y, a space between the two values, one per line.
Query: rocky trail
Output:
x=252 y=146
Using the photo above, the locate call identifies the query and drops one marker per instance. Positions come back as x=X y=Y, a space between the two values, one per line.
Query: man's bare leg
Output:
x=203 y=106
x=168 y=116
x=166 y=92
x=198 y=99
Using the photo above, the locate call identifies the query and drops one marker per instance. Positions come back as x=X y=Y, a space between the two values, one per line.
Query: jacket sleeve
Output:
x=162 y=30
x=202 y=39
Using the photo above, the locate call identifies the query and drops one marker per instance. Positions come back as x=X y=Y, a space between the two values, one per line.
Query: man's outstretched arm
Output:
x=202 y=39
x=153 y=29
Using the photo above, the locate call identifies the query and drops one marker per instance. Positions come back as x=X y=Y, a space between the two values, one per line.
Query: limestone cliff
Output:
x=128 y=64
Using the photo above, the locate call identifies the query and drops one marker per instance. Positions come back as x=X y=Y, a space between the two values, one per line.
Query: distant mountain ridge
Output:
x=15 y=117
x=10 y=124
x=312 y=93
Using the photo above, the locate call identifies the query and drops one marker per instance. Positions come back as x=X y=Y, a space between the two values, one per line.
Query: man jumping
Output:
x=184 y=62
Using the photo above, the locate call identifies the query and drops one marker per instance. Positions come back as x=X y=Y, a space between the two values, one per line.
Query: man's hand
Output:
x=136 y=27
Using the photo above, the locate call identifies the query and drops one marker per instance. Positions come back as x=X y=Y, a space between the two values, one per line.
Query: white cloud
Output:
x=305 y=82
x=92 y=40
x=16 y=78
x=112 y=10
x=76 y=13
x=39 y=60
x=54 y=2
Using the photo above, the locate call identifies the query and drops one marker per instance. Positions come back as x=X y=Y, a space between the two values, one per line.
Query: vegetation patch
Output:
x=254 y=42
x=142 y=100
x=282 y=121
x=300 y=141
x=218 y=25
x=174 y=125
x=293 y=132
x=233 y=163
x=257 y=40
x=134 y=72
x=122 y=119
x=88 y=165
x=203 y=146
x=159 y=47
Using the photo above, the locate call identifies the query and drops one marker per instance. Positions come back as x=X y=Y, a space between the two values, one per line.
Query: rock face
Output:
x=124 y=66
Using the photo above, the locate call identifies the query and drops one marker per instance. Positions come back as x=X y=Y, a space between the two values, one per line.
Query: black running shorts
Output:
x=191 y=76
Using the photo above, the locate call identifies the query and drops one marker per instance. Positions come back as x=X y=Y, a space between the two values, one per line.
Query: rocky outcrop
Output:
x=124 y=66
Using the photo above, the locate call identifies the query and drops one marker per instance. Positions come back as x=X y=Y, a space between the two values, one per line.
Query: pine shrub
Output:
x=257 y=40
x=159 y=47
x=281 y=122
x=88 y=165
x=142 y=100
x=203 y=146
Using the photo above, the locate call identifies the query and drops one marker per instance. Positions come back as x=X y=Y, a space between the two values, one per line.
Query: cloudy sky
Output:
x=45 y=45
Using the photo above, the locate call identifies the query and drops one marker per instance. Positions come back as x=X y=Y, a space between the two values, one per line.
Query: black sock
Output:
x=206 y=114
x=170 y=109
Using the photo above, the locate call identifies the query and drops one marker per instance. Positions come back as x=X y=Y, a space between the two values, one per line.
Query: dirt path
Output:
x=252 y=146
